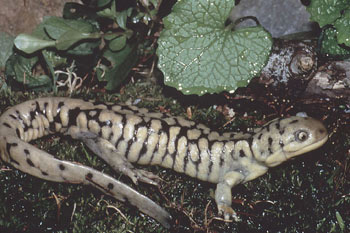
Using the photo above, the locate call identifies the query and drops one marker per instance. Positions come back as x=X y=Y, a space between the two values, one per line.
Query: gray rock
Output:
x=279 y=17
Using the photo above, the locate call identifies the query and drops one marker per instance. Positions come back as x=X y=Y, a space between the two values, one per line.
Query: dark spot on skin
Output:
x=57 y=118
x=37 y=106
x=277 y=126
x=121 y=138
x=260 y=135
x=73 y=115
x=270 y=151
x=32 y=115
x=270 y=141
x=89 y=176
x=8 y=147
x=13 y=117
x=14 y=161
x=62 y=167
x=18 y=133
x=142 y=151
x=26 y=151
x=281 y=131
x=321 y=131
x=26 y=127
x=281 y=143
x=185 y=161
x=221 y=161
x=241 y=153
x=250 y=141
x=7 y=125
x=210 y=168
x=100 y=135
x=45 y=107
x=110 y=186
x=107 y=123
x=52 y=127
x=111 y=135
x=30 y=163
x=36 y=111
x=60 y=104
x=44 y=173
x=268 y=128
x=294 y=121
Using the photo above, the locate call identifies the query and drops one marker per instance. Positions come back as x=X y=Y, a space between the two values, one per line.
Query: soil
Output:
x=22 y=16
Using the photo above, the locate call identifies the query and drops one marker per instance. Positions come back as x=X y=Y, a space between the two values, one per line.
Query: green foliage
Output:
x=343 y=28
x=333 y=14
x=199 y=55
x=122 y=63
x=326 y=11
x=330 y=45
x=6 y=44
x=19 y=74
x=97 y=36
x=103 y=39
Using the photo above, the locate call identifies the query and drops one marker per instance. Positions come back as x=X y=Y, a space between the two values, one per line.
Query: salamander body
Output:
x=123 y=134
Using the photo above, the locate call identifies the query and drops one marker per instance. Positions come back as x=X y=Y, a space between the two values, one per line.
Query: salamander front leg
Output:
x=107 y=151
x=223 y=195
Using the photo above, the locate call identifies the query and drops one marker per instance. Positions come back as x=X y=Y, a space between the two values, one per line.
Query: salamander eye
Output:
x=301 y=135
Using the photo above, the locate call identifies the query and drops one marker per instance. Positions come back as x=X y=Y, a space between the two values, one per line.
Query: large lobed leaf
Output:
x=198 y=55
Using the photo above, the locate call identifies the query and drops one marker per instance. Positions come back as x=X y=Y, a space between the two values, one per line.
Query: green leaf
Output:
x=330 y=44
x=56 y=27
x=71 y=37
x=326 y=11
x=121 y=17
x=30 y=44
x=54 y=59
x=121 y=64
x=343 y=29
x=6 y=45
x=40 y=31
x=198 y=55
x=85 y=48
x=109 y=12
x=110 y=36
x=19 y=73
x=340 y=221
x=117 y=43
x=102 y=3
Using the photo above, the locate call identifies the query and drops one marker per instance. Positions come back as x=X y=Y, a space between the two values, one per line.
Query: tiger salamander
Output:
x=123 y=134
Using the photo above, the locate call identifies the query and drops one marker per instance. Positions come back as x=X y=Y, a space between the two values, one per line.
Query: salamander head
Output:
x=282 y=139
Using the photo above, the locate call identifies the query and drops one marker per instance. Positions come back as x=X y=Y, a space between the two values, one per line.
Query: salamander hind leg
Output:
x=223 y=195
x=107 y=151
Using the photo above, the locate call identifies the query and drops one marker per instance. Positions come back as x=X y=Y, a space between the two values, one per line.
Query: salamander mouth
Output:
x=275 y=160
x=317 y=144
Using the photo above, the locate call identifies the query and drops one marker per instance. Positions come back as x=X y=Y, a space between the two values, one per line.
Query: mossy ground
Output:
x=308 y=194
